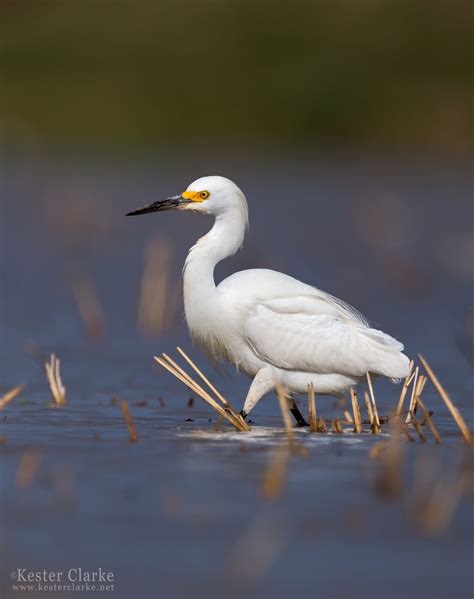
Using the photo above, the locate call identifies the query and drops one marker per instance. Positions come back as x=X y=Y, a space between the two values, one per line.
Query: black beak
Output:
x=161 y=206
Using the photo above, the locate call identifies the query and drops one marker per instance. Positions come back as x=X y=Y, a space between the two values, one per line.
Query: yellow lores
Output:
x=195 y=196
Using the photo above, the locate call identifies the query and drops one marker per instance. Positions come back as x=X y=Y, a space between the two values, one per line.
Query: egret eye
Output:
x=203 y=195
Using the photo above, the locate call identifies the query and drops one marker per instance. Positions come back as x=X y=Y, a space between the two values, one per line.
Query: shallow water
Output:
x=180 y=513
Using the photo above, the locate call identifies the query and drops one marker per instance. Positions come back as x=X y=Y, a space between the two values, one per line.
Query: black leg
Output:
x=244 y=415
x=298 y=416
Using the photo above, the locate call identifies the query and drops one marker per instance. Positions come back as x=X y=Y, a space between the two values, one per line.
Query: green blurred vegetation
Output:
x=361 y=73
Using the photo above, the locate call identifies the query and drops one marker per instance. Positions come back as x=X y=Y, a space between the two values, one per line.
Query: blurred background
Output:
x=349 y=127
x=124 y=75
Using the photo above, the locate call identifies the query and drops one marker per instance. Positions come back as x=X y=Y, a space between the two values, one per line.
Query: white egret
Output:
x=270 y=326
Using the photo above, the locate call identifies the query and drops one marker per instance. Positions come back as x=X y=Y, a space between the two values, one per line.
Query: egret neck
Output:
x=199 y=288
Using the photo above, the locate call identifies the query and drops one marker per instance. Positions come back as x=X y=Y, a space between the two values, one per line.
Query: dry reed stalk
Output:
x=405 y=386
x=180 y=373
x=228 y=414
x=404 y=430
x=90 y=308
x=225 y=402
x=416 y=424
x=424 y=421
x=27 y=468
x=421 y=385
x=356 y=412
x=322 y=426
x=449 y=404
x=184 y=374
x=413 y=391
x=191 y=384
x=368 y=407
x=430 y=422
x=186 y=379
x=418 y=391
x=53 y=374
x=154 y=305
x=376 y=428
x=128 y=419
x=348 y=417
x=228 y=407
x=8 y=397
x=276 y=473
x=336 y=426
x=217 y=427
x=285 y=413
x=313 y=422
x=205 y=379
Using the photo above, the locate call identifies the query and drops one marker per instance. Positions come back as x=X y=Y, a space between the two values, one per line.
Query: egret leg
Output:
x=297 y=415
x=263 y=382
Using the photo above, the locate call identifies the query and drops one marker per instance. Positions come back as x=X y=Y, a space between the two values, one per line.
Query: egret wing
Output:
x=289 y=337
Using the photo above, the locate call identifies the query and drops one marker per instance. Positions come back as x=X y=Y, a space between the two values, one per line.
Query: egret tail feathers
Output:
x=390 y=361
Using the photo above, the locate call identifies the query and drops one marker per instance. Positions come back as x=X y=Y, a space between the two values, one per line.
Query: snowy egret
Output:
x=270 y=326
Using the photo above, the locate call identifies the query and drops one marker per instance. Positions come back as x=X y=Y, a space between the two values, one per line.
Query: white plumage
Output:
x=270 y=326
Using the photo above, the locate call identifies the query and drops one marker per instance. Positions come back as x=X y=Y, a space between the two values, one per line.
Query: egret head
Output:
x=208 y=195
